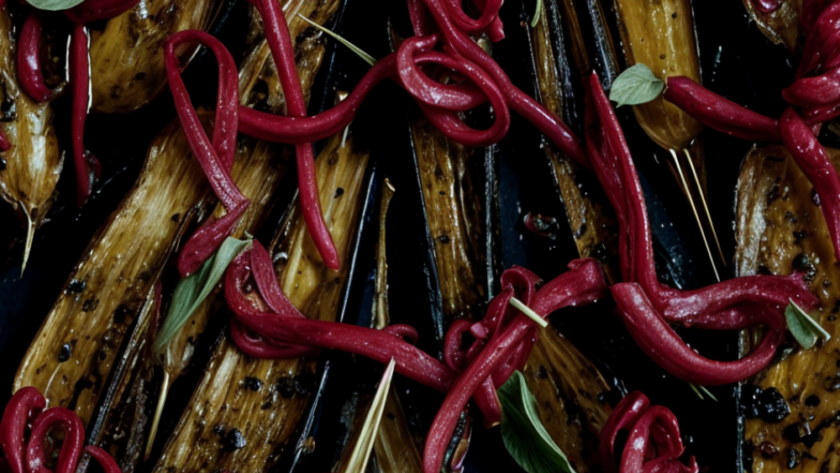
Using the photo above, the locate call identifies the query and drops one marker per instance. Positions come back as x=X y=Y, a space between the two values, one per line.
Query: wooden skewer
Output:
x=705 y=205
x=694 y=209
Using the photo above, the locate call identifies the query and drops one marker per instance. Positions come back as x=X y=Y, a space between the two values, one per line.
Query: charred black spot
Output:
x=444 y=239
x=121 y=313
x=90 y=304
x=76 y=287
x=234 y=440
x=812 y=401
x=338 y=193
x=600 y=252
x=768 y=404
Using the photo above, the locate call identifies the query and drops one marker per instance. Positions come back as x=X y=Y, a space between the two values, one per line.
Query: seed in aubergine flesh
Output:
x=338 y=193
x=768 y=449
x=234 y=440
x=772 y=406
x=812 y=401
x=2 y=164
x=253 y=383
x=444 y=239
x=121 y=313
x=64 y=352
x=76 y=286
x=815 y=198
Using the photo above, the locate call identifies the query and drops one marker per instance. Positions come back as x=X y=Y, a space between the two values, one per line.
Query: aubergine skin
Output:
x=32 y=166
x=263 y=421
x=453 y=217
x=660 y=34
x=780 y=229
x=126 y=57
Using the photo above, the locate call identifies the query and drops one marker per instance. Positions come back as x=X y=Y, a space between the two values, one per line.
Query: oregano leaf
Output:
x=635 y=86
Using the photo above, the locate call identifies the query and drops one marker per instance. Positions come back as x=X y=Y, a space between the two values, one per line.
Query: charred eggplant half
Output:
x=791 y=407
x=126 y=54
x=237 y=423
x=31 y=166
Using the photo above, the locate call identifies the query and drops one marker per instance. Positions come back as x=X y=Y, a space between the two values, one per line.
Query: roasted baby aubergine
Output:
x=228 y=424
x=779 y=230
x=126 y=54
x=30 y=168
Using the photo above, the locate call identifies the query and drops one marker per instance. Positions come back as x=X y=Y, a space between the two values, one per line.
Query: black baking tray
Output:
x=737 y=61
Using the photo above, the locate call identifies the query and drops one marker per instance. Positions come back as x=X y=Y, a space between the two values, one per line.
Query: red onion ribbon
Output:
x=503 y=341
x=646 y=305
x=26 y=411
x=653 y=440
x=815 y=94
x=32 y=82
x=215 y=157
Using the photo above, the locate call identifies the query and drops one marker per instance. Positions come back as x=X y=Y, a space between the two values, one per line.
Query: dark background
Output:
x=737 y=62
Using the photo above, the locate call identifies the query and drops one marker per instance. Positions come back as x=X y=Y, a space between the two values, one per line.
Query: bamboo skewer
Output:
x=694 y=209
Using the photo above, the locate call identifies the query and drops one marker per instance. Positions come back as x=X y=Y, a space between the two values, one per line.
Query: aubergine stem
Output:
x=367 y=437
x=30 y=236
x=687 y=191
x=164 y=390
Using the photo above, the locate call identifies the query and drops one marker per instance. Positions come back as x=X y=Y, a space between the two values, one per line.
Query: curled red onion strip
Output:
x=659 y=341
x=653 y=439
x=87 y=166
x=647 y=306
x=28 y=456
x=71 y=448
x=28 y=60
x=216 y=157
x=719 y=113
x=280 y=43
x=583 y=283
x=814 y=162
x=26 y=405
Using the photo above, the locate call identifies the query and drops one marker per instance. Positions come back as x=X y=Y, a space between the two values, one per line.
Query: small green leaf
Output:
x=803 y=328
x=54 y=5
x=636 y=85
x=523 y=433
x=352 y=47
x=193 y=289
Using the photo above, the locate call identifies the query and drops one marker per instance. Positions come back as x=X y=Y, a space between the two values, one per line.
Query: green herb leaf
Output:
x=537 y=13
x=54 y=5
x=352 y=47
x=193 y=289
x=803 y=328
x=636 y=85
x=523 y=433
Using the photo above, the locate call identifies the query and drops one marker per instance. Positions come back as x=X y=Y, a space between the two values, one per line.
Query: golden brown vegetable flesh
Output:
x=265 y=419
x=126 y=57
x=660 y=34
x=779 y=228
x=30 y=169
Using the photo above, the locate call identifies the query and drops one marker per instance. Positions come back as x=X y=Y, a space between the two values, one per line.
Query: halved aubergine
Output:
x=126 y=54
x=780 y=229
x=232 y=425
x=30 y=169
